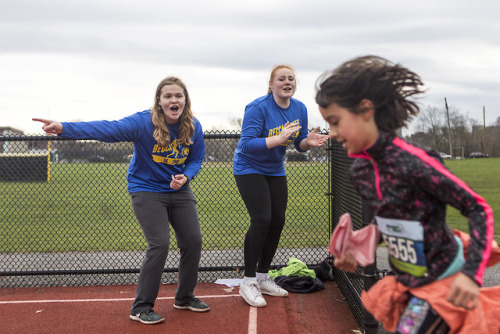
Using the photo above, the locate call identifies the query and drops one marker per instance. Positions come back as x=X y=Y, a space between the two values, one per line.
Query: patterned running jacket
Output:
x=408 y=188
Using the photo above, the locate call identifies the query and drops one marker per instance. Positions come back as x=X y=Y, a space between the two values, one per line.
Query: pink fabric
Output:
x=362 y=244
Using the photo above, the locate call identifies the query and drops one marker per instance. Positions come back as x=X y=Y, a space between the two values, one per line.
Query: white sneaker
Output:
x=251 y=293
x=269 y=287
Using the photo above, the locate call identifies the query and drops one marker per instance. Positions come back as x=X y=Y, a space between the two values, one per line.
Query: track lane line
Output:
x=252 y=320
x=93 y=300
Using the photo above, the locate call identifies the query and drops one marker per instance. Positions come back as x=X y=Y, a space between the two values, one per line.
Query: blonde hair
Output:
x=273 y=74
x=186 y=127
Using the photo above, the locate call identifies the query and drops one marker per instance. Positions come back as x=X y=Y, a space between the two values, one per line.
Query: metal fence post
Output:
x=370 y=277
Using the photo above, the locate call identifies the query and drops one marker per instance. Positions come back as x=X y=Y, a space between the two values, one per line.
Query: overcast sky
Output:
x=102 y=59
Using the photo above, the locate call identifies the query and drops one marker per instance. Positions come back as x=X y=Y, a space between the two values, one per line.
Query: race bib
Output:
x=404 y=240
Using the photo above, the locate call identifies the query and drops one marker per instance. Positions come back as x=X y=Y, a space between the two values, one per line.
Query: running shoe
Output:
x=251 y=293
x=269 y=287
x=148 y=317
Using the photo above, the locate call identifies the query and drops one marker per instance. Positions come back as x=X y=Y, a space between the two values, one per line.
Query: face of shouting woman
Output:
x=283 y=86
x=172 y=100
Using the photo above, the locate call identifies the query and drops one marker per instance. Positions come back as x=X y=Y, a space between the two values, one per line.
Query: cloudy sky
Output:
x=102 y=59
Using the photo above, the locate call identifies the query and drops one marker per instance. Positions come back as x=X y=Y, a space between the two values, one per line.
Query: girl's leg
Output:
x=152 y=214
x=256 y=194
x=279 y=198
x=185 y=222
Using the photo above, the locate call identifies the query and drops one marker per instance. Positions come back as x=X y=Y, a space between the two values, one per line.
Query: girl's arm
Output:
x=251 y=130
x=124 y=129
x=252 y=140
x=448 y=188
x=196 y=153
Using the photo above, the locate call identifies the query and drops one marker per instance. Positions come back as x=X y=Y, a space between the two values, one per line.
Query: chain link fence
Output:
x=346 y=199
x=67 y=220
x=67 y=217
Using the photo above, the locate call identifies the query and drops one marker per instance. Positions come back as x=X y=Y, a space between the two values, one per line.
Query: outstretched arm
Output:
x=50 y=127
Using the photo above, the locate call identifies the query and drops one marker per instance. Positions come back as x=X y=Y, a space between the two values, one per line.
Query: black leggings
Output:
x=265 y=198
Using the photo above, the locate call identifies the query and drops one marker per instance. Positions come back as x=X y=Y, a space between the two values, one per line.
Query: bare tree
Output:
x=431 y=121
x=236 y=123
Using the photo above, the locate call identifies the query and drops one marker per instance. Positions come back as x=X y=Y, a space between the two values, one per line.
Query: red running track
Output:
x=106 y=309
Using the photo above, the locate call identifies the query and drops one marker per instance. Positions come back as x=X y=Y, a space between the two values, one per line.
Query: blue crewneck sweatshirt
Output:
x=264 y=118
x=151 y=167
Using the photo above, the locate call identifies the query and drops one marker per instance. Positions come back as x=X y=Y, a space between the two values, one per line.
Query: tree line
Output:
x=467 y=135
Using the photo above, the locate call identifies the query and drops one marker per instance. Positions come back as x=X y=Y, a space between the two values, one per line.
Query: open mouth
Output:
x=174 y=109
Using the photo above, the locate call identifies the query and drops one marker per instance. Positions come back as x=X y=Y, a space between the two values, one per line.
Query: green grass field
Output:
x=483 y=176
x=86 y=207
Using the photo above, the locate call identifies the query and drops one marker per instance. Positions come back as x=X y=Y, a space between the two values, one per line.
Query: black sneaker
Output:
x=194 y=305
x=148 y=317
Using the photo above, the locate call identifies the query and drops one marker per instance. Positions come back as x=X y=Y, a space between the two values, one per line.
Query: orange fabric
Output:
x=386 y=301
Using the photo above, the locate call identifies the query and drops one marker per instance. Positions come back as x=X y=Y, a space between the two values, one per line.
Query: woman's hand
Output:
x=316 y=139
x=178 y=181
x=50 y=127
x=313 y=139
x=288 y=130
x=464 y=292
x=285 y=134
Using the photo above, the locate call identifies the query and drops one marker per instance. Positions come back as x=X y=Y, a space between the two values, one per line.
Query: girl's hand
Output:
x=316 y=139
x=178 y=181
x=50 y=127
x=346 y=263
x=288 y=130
x=464 y=292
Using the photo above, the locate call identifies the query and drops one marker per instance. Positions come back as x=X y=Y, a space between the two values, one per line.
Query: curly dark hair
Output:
x=387 y=85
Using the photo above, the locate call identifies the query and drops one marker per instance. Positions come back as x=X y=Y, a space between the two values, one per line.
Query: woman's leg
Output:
x=256 y=194
x=152 y=214
x=185 y=222
x=279 y=198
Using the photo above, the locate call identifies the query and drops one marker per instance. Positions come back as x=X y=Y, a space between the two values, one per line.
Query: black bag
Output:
x=299 y=284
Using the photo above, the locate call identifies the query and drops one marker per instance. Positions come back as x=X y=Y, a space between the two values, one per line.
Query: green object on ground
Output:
x=295 y=267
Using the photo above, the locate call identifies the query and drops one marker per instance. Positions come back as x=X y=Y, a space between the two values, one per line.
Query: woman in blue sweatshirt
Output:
x=168 y=152
x=270 y=124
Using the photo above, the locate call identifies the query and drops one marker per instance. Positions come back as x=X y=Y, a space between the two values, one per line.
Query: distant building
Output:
x=8 y=131
x=6 y=146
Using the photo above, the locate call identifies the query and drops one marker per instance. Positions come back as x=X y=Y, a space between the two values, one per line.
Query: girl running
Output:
x=365 y=102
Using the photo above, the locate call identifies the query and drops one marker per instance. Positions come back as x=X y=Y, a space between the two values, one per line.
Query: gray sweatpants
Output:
x=154 y=211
